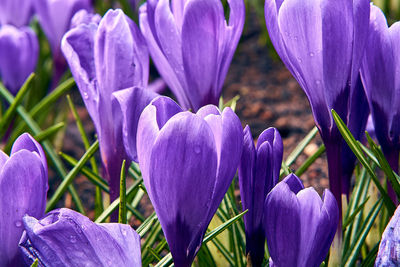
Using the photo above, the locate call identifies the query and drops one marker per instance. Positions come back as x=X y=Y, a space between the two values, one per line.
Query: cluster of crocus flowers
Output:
x=322 y=43
x=299 y=226
x=188 y=161
x=380 y=70
x=194 y=70
x=258 y=174
x=67 y=238
x=23 y=189
x=55 y=19
x=104 y=59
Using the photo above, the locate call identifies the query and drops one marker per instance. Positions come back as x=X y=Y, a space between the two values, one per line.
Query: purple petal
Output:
x=294 y=183
x=282 y=225
x=157 y=86
x=182 y=206
x=77 y=46
x=389 y=248
x=19 y=50
x=130 y=103
x=67 y=238
x=23 y=190
x=152 y=119
x=16 y=12
x=84 y=17
x=203 y=20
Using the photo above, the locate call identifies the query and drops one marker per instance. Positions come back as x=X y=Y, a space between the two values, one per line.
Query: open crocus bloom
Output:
x=192 y=45
x=299 y=226
x=322 y=43
x=23 y=189
x=389 y=248
x=19 y=51
x=67 y=238
x=188 y=162
x=258 y=174
x=110 y=65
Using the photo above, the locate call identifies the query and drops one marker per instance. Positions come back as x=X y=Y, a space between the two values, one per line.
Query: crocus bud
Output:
x=322 y=44
x=18 y=55
x=258 y=174
x=188 y=162
x=389 y=248
x=84 y=17
x=194 y=70
x=16 y=12
x=67 y=238
x=299 y=226
x=55 y=19
x=104 y=59
x=23 y=189
x=380 y=69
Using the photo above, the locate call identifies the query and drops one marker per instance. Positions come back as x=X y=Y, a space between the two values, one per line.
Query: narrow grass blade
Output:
x=371 y=257
x=43 y=135
x=310 y=160
x=70 y=176
x=352 y=143
x=35 y=263
x=122 y=196
x=11 y=111
x=146 y=225
x=350 y=219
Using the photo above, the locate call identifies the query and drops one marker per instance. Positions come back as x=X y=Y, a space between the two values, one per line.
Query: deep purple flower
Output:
x=258 y=174
x=188 y=162
x=299 y=226
x=23 y=189
x=55 y=19
x=67 y=238
x=322 y=44
x=192 y=45
x=18 y=55
x=104 y=59
x=389 y=248
x=16 y=12
x=380 y=70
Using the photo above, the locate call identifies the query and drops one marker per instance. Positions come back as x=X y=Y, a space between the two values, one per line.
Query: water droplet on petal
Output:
x=72 y=239
x=311 y=54
x=299 y=59
x=124 y=233
x=197 y=149
x=18 y=224
x=317 y=82
x=85 y=95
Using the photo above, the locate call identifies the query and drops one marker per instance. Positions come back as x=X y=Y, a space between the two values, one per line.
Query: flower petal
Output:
x=183 y=168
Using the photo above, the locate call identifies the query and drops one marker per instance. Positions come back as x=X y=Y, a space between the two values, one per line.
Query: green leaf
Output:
x=371 y=257
x=310 y=160
x=352 y=143
x=122 y=195
x=43 y=135
x=354 y=214
x=352 y=253
x=208 y=237
x=10 y=113
x=35 y=263
x=232 y=103
x=70 y=176
x=147 y=224
x=300 y=147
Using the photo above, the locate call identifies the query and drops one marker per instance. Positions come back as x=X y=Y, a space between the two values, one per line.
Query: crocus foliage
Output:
x=67 y=238
x=322 y=43
x=389 y=248
x=188 y=162
x=299 y=226
x=380 y=73
x=104 y=59
x=19 y=51
x=194 y=70
x=258 y=174
x=55 y=19
x=16 y=12
x=23 y=189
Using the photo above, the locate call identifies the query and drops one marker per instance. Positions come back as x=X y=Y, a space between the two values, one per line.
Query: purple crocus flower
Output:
x=188 y=162
x=380 y=69
x=67 y=238
x=18 y=55
x=104 y=59
x=192 y=45
x=16 y=12
x=55 y=19
x=258 y=174
x=84 y=17
x=322 y=43
x=299 y=226
x=23 y=189
x=389 y=248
